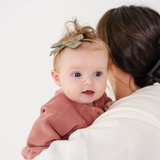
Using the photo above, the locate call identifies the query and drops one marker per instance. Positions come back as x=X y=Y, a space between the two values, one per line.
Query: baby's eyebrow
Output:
x=75 y=68
x=101 y=68
x=81 y=67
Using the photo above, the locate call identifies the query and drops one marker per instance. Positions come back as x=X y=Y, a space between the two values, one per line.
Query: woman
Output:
x=130 y=129
x=133 y=35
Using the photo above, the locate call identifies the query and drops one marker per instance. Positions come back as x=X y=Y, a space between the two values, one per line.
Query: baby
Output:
x=80 y=69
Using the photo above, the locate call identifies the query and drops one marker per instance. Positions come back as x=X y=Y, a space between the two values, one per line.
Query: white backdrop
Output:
x=27 y=30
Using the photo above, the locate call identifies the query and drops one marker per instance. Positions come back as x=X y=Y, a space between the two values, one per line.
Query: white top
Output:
x=129 y=130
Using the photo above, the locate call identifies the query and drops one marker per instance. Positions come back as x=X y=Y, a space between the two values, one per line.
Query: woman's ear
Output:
x=56 y=77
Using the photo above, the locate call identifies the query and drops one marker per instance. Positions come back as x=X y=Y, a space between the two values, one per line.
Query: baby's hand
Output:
x=107 y=105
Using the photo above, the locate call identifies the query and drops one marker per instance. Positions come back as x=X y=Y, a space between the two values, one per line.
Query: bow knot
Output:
x=73 y=43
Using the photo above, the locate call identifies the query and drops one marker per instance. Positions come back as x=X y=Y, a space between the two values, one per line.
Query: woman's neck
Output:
x=122 y=83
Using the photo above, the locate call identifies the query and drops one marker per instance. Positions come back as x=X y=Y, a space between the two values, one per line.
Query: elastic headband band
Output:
x=72 y=43
x=91 y=40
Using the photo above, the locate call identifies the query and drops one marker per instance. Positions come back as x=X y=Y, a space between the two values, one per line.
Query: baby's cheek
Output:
x=102 y=86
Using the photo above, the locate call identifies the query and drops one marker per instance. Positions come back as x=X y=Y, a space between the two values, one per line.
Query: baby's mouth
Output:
x=88 y=92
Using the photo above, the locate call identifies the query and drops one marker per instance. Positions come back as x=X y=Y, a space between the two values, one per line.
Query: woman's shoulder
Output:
x=143 y=105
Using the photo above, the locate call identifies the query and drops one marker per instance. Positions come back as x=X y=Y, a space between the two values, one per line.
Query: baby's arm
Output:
x=57 y=121
x=40 y=137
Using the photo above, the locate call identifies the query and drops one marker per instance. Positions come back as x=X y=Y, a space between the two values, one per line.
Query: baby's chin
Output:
x=88 y=101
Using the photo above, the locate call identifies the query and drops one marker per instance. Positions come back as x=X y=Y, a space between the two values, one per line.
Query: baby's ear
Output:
x=55 y=77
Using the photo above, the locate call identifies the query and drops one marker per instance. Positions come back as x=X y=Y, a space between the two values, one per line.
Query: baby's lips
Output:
x=88 y=92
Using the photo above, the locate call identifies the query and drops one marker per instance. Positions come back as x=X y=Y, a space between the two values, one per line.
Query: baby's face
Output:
x=83 y=72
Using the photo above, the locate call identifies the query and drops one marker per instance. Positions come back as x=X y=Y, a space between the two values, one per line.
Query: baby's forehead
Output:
x=89 y=52
x=86 y=45
x=86 y=48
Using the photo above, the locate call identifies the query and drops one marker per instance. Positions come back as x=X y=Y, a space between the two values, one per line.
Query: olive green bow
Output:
x=73 y=43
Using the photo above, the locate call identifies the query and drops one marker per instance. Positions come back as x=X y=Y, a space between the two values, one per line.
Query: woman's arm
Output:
x=130 y=129
x=113 y=139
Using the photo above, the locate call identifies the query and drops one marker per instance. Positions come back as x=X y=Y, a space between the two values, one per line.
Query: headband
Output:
x=73 y=43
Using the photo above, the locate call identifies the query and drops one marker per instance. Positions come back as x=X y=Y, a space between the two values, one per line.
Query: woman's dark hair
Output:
x=133 y=35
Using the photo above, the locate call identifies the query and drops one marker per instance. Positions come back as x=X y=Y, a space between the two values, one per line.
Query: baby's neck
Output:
x=91 y=104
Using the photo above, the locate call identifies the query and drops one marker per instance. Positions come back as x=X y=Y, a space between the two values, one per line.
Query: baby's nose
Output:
x=88 y=81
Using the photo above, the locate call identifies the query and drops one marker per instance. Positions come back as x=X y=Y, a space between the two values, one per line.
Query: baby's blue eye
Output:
x=76 y=74
x=97 y=74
